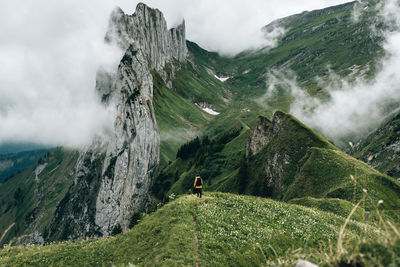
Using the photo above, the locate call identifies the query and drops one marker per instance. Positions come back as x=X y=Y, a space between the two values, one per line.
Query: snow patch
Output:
x=207 y=108
x=210 y=111
x=222 y=79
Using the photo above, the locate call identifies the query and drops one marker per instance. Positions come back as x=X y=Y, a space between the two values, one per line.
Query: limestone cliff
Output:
x=113 y=175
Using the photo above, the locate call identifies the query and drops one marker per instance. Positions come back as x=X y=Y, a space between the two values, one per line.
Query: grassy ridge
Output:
x=296 y=163
x=166 y=236
x=231 y=229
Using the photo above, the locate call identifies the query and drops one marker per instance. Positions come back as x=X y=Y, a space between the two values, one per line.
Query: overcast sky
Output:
x=50 y=50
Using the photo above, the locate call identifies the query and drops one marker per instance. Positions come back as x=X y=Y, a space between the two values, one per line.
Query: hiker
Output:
x=198 y=185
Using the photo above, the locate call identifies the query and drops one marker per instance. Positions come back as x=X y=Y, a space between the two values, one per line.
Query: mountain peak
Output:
x=147 y=30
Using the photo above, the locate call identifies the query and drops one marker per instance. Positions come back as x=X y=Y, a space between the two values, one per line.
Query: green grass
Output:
x=164 y=238
x=334 y=205
x=232 y=230
x=326 y=173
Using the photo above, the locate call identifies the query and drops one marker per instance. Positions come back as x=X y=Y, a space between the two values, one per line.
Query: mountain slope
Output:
x=263 y=229
x=11 y=164
x=178 y=108
x=272 y=167
x=215 y=159
x=281 y=159
x=295 y=162
x=29 y=199
x=314 y=46
x=381 y=149
x=314 y=43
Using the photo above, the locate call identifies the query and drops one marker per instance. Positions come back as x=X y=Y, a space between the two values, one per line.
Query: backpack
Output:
x=198 y=181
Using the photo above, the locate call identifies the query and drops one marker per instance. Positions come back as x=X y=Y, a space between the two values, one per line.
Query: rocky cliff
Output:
x=260 y=135
x=113 y=175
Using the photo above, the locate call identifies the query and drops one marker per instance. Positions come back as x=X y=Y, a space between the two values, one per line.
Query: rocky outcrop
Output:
x=114 y=174
x=275 y=150
x=260 y=135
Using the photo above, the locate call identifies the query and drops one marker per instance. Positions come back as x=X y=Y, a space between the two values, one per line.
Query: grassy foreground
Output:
x=230 y=229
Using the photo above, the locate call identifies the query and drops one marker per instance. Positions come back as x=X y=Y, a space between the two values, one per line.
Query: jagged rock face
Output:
x=260 y=136
x=75 y=214
x=134 y=153
x=147 y=29
x=121 y=166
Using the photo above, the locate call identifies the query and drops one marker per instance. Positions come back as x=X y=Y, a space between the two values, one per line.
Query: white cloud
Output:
x=50 y=51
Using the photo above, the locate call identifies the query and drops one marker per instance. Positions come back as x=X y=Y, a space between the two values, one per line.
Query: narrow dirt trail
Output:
x=196 y=229
x=196 y=238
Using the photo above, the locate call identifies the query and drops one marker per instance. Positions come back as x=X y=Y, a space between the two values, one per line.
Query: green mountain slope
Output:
x=178 y=117
x=216 y=159
x=218 y=230
x=314 y=43
x=286 y=160
x=381 y=149
x=272 y=169
x=296 y=162
x=29 y=199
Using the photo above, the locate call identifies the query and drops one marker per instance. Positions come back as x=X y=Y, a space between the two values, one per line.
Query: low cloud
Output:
x=50 y=52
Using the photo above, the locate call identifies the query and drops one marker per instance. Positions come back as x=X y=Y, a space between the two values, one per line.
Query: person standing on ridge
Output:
x=198 y=185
